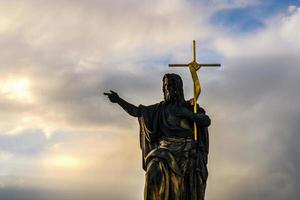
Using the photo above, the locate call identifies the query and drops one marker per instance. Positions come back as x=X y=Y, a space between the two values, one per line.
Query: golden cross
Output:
x=194 y=67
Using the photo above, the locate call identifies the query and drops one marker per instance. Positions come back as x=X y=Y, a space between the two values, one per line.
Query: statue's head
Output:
x=173 y=88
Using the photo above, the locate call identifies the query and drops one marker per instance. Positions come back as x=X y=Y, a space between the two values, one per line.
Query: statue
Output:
x=174 y=141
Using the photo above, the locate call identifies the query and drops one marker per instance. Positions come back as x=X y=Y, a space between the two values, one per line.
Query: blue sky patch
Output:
x=239 y=20
x=251 y=18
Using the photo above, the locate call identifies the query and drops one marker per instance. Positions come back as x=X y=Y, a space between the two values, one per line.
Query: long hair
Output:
x=177 y=96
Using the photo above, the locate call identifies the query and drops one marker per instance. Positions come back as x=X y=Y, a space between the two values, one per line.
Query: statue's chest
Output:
x=175 y=121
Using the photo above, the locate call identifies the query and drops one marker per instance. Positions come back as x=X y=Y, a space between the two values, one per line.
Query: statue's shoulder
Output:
x=151 y=106
x=190 y=105
x=157 y=104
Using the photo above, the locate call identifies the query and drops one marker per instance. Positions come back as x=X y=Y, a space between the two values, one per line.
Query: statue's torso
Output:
x=172 y=125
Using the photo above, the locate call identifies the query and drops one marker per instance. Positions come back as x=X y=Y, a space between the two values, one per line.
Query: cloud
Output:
x=74 y=166
x=71 y=142
x=255 y=106
x=225 y=5
x=66 y=51
x=279 y=37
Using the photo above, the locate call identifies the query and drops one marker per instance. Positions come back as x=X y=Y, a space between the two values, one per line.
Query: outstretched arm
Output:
x=129 y=108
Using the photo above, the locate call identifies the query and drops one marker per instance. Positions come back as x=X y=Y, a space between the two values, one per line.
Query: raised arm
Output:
x=129 y=108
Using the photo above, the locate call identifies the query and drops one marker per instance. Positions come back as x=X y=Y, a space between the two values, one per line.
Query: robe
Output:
x=176 y=166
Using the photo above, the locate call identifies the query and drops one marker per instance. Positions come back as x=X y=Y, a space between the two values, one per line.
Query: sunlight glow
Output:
x=64 y=161
x=16 y=89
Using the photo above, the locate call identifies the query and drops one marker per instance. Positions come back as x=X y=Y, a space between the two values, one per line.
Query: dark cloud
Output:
x=259 y=98
x=66 y=194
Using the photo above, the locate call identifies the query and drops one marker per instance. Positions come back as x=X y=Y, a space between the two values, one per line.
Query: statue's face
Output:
x=168 y=89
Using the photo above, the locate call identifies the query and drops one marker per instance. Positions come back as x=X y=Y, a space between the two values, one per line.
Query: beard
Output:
x=170 y=96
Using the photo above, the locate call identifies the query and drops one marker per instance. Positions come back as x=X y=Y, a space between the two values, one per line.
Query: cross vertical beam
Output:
x=194 y=51
x=194 y=67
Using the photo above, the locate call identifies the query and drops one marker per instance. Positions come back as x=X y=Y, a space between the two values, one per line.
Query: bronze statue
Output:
x=173 y=138
x=175 y=163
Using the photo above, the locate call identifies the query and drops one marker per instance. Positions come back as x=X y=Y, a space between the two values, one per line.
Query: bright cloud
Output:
x=16 y=89
x=283 y=29
x=64 y=161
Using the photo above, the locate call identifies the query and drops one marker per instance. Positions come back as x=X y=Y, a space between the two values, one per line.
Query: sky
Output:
x=61 y=138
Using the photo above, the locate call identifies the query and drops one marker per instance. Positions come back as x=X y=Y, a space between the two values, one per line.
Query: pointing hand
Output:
x=113 y=96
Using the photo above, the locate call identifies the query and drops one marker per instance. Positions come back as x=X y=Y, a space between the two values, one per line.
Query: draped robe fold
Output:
x=176 y=167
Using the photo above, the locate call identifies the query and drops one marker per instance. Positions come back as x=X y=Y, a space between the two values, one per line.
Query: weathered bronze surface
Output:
x=174 y=139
